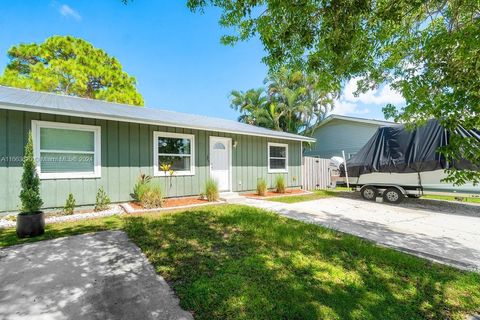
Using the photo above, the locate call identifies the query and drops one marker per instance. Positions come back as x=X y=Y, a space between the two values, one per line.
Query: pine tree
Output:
x=30 y=193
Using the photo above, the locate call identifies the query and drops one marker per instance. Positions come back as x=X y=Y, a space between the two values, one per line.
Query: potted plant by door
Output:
x=30 y=221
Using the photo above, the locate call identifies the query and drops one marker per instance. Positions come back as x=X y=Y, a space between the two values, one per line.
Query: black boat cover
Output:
x=396 y=149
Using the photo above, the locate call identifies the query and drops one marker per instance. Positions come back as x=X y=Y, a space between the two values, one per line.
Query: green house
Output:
x=83 y=144
x=342 y=133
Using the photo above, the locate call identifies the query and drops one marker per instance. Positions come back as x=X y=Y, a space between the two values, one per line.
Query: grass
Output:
x=8 y=237
x=451 y=198
x=317 y=194
x=236 y=262
x=321 y=194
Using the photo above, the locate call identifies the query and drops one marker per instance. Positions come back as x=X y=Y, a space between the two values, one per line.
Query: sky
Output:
x=175 y=55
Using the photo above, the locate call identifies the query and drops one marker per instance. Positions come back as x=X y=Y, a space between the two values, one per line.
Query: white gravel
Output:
x=115 y=209
x=6 y=224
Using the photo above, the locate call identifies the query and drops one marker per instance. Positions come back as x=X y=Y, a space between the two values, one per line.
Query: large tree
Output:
x=71 y=66
x=291 y=101
x=427 y=49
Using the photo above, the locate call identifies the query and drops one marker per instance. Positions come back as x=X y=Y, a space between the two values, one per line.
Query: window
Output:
x=219 y=146
x=176 y=150
x=277 y=157
x=64 y=150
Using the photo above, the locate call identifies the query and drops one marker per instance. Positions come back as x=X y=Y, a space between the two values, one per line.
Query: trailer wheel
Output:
x=393 y=195
x=369 y=192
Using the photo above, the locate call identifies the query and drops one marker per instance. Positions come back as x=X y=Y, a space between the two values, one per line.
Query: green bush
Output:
x=142 y=180
x=261 y=187
x=150 y=195
x=102 y=201
x=69 y=205
x=30 y=193
x=280 y=184
x=211 y=190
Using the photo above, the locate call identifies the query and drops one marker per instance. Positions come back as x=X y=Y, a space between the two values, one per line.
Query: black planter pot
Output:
x=30 y=224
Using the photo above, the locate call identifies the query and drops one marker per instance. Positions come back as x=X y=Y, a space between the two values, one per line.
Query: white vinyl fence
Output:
x=316 y=173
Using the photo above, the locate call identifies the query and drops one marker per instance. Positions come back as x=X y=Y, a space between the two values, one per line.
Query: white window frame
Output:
x=97 y=161
x=274 y=144
x=159 y=173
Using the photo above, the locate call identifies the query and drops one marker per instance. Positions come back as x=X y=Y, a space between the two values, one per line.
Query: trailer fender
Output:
x=402 y=190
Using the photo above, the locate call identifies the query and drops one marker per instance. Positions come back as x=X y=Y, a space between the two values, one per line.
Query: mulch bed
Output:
x=271 y=194
x=173 y=202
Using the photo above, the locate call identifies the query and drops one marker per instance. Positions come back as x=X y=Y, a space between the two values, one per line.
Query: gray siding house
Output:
x=337 y=133
x=83 y=144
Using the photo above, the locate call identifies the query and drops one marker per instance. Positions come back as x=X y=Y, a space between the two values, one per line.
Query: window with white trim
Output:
x=277 y=157
x=175 y=150
x=66 y=150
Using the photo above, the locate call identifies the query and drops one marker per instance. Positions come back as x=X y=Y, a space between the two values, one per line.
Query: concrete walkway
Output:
x=92 y=276
x=422 y=230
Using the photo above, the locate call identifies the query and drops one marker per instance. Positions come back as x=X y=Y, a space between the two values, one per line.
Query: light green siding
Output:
x=338 y=135
x=127 y=151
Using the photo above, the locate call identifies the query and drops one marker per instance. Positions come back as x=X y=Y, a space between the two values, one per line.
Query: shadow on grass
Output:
x=234 y=262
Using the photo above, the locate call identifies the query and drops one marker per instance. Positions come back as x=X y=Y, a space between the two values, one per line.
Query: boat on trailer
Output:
x=397 y=163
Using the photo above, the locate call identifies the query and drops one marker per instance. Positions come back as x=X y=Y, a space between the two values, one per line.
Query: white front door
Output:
x=220 y=162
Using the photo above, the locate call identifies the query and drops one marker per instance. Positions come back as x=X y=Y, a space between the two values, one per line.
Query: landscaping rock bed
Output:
x=131 y=207
x=7 y=222
x=4 y=223
x=114 y=209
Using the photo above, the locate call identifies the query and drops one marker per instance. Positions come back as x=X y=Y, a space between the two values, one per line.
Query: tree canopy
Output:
x=291 y=101
x=428 y=50
x=71 y=66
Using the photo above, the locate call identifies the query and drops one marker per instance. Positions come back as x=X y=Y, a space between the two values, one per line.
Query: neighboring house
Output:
x=83 y=144
x=337 y=133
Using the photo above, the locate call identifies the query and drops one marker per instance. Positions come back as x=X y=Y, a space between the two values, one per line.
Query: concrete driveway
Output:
x=445 y=232
x=92 y=276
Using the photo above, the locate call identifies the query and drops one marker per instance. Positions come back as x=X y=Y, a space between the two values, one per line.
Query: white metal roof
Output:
x=355 y=119
x=43 y=102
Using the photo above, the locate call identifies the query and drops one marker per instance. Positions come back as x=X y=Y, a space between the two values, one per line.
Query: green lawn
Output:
x=450 y=198
x=321 y=194
x=236 y=262
x=317 y=194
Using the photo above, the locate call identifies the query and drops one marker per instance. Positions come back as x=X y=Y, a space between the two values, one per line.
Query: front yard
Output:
x=236 y=262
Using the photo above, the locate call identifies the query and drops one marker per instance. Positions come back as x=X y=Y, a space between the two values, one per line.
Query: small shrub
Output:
x=102 y=201
x=30 y=193
x=150 y=195
x=142 y=180
x=211 y=190
x=69 y=205
x=280 y=184
x=261 y=187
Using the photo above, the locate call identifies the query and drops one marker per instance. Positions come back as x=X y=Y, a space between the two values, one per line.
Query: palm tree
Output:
x=248 y=103
x=292 y=101
x=269 y=116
